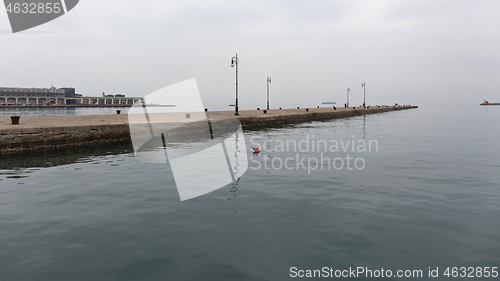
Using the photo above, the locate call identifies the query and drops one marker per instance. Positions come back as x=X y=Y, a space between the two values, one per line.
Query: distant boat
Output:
x=328 y=102
x=488 y=103
x=159 y=105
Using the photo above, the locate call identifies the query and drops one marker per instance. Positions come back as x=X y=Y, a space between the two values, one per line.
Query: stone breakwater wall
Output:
x=52 y=132
x=301 y=116
x=14 y=140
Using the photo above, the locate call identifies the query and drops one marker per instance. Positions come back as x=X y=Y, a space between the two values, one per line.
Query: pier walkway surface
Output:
x=46 y=132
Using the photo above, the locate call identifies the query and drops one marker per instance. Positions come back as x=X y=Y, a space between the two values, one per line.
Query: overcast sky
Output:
x=409 y=52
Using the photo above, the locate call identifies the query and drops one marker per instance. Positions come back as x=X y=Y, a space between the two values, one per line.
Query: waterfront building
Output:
x=32 y=96
x=59 y=97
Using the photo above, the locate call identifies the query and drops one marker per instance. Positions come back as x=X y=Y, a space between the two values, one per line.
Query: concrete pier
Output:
x=49 y=132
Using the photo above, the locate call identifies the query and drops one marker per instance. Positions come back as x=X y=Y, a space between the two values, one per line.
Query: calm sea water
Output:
x=429 y=196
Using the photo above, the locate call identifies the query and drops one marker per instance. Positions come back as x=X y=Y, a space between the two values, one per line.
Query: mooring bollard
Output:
x=280 y=107
x=318 y=106
x=334 y=108
x=258 y=108
x=118 y=111
x=15 y=119
x=188 y=115
x=206 y=109
x=307 y=109
x=298 y=107
x=354 y=108
x=265 y=111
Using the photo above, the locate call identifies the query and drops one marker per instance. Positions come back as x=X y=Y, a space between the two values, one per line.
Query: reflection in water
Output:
x=70 y=155
x=268 y=149
x=347 y=126
x=364 y=126
x=236 y=170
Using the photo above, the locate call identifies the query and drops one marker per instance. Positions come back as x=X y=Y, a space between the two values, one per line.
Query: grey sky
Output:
x=410 y=52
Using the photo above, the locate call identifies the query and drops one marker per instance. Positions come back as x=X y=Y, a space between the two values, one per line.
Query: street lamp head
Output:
x=234 y=60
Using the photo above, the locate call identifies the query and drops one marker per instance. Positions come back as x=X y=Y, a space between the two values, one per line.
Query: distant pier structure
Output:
x=105 y=100
x=59 y=97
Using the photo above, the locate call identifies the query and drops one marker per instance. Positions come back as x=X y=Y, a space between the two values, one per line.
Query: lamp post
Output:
x=268 y=82
x=364 y=94
x=348 y=90
x=234 y=60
